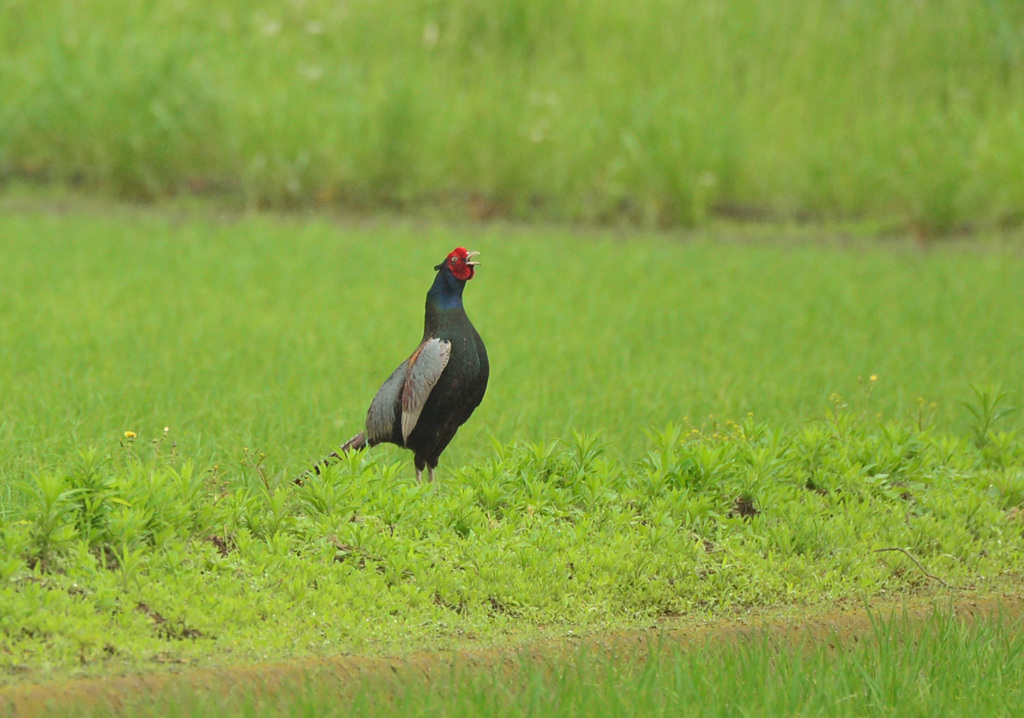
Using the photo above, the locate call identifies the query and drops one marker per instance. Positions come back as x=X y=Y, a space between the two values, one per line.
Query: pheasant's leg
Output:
x=430 y=473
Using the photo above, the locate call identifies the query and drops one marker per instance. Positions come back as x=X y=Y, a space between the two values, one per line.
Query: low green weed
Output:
x=709 y=519
x=988 y=409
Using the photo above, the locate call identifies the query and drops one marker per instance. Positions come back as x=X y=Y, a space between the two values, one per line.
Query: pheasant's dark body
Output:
x=432 y=393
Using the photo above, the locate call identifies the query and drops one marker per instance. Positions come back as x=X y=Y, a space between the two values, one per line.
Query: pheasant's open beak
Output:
x=469 y=258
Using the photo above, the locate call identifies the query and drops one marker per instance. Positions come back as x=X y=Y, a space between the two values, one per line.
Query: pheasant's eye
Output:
x=455 y=260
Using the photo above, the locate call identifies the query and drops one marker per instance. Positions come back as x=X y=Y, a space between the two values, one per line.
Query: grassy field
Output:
x=653 y=112
x=274 y=333
x=941 y=668
x=899 y=666
x=731 y=371
x=593 y=489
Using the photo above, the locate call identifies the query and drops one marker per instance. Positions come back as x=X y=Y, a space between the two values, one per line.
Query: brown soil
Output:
x=118 y=695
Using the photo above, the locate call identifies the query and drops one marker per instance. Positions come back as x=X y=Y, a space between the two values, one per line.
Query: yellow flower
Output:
x=129 y=434
x=874 y=377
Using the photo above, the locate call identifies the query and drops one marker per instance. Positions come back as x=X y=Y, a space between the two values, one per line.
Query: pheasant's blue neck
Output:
x=446 y=291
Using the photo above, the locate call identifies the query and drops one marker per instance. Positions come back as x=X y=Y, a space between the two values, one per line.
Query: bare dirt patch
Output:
x=343 y=674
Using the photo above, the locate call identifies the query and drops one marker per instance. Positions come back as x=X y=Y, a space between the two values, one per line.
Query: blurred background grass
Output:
x=655 y=112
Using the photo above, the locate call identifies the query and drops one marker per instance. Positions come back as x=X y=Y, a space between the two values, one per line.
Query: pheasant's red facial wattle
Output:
x=461 y=263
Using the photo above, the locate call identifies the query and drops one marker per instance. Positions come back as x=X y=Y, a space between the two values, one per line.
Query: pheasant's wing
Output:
x=425 y=368
x=383 y=413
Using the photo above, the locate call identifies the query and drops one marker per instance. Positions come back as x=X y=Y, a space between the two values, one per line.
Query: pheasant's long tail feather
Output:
x=354 y=444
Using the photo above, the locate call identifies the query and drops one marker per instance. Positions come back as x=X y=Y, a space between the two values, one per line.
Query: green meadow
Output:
x=656 y=113
x=750 y=286
x=676 y=426
x=273 y=333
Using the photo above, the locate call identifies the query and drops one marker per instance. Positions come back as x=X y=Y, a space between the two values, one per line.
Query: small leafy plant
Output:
x=708 y=519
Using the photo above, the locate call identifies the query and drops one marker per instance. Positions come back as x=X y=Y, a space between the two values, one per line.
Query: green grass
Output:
x=274 y=334
x=940 y=667
x=591 y=489
x=656 y=112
